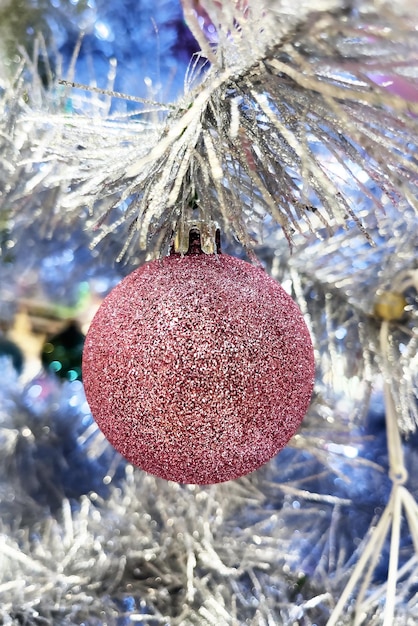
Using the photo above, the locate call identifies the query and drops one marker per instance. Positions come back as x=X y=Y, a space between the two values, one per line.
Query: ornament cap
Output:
x=196 y=236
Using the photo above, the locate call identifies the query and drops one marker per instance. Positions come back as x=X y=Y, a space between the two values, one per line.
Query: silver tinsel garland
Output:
x=289 y=135
x=289 y=121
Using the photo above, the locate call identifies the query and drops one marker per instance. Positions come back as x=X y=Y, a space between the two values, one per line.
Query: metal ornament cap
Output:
x=198 y=368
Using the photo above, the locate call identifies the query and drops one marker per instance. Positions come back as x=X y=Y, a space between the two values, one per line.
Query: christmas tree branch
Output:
x=268 y=138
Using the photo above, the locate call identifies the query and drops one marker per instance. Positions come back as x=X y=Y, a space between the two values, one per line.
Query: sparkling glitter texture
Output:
x=198 y=369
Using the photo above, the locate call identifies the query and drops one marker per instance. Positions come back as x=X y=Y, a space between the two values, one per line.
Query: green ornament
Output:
x=62 y=353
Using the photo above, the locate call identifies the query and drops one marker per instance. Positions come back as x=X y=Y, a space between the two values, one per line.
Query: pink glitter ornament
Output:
x=198 y=369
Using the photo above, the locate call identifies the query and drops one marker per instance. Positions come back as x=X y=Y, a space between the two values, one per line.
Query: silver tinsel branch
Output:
x=297 y=126
x=289 y=122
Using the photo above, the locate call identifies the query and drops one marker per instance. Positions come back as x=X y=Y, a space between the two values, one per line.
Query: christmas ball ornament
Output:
x=389 y=305
x=62 y=353
x=198 y=368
